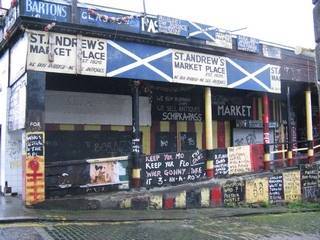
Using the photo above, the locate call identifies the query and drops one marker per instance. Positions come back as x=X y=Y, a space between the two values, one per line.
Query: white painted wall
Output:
x=92 y=108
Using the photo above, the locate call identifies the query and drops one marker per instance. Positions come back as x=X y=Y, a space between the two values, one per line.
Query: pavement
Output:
x=12 y=210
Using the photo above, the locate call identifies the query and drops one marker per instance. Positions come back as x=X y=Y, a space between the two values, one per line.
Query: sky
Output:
x=287 y=22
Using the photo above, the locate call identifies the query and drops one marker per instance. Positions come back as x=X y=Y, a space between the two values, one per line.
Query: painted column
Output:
x=289 y=130
x=309 y=124
x=208 y=127
x=266 y=134
x=34 y=167
x=136 y=142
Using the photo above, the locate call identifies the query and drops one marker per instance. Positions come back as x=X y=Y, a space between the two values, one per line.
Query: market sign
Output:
x=109 y=20
x=211 y=35
x=231 y=107
x=77 y=54
x=172 y=26
x=271 y=51
x=177 y=106
x=247 y=44
x=50 y=10
x=199 y=69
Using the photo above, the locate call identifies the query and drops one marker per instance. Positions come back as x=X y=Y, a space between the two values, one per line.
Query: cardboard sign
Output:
x=239 y=160
x=309 y=181
x=292 y=186
x=199 y=69
x=257 y=190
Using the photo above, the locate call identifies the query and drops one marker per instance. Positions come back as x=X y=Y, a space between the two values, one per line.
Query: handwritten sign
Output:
x=257 y=190
x=292 y=186
x=35 y=144
x=173 y=168
x=309 y=181
x=199 y=69
x=233 y=193
x=276 y=193
x=184 y=106
x=239 y=160
x=166 y=142
x=220 y=160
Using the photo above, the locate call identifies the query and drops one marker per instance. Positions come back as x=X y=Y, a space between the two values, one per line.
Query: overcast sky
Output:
x=287 y=22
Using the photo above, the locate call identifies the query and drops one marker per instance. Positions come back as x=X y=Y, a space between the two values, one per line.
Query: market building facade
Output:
x=93 y=97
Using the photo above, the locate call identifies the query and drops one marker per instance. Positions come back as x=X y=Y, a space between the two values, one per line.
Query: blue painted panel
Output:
x=85 y=19
x=46 y=10
x=241 y=69
x=123 y=61
x=202 y=31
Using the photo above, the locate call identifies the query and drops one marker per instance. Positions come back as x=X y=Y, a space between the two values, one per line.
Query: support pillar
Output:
x=34 y=163
x=289 y=130
x=208 y=130
x=136 y=141
x=309 y=125
x=266 y=134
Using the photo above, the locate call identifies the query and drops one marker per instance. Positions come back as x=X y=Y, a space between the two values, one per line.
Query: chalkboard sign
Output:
x=34 y=144
x=233 y=192
x=172 y=168
x=166 y=142
x=181 y=106
x=309 y=181
x=76 y=145
x=220 y=161
x=188 y=141
x=276 y=188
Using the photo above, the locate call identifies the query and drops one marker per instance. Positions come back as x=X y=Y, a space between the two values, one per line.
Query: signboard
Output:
x=166 y=142
x=35 y=144
x=18 y=55
x=271 y=52
x=276 y=193
x=231 y=107
x=173 y=168
x=51 y=10
x=131 y=25
x=233 y=192
x=93 y=56
x=220 y=162
x=177 y=106
x=211 y=35
x=292 y=186
x=239 y=160
x=199 y=69
x=247 y=44
x=104 y=173
x=52 y=52
x=172 y=26
x=309 y=181
x=253 y=76
x=10 y=19
x=149 y=24
x=17 y=105
x=257 y=190
x=255 y=124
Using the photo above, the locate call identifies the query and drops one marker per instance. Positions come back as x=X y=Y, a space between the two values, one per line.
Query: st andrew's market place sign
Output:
x=55 y=52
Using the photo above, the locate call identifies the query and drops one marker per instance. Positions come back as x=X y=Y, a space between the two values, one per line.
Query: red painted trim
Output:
x=210 y=172
x=136 y=182
x=254 y=109
x=168 y=203
x=155 y=127
x=221 y=135
x=216 y=196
